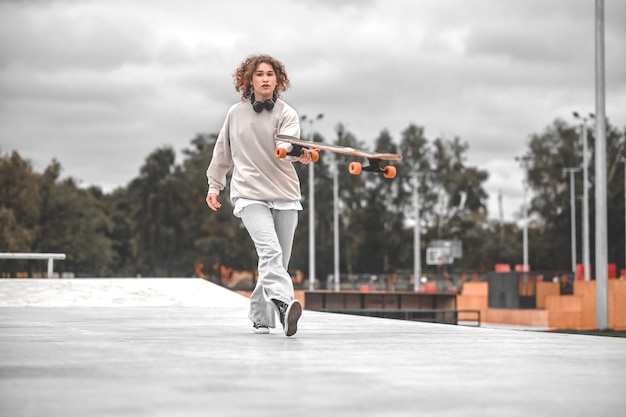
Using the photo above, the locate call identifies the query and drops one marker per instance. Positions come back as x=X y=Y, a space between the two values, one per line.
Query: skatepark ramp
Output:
x=185 y=347
x=116 y=292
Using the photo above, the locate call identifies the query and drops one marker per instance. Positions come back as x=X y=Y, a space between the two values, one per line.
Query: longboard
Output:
x=354 y=168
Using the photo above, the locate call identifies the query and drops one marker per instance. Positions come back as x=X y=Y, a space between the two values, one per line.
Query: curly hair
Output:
x=243 y=75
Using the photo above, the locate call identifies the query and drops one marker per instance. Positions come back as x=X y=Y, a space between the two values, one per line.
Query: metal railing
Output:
x=42 y=256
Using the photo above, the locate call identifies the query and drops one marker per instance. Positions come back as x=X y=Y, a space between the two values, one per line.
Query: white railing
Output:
x=49 y=256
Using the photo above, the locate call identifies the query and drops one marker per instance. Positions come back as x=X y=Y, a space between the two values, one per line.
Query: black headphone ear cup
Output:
x=257 y=106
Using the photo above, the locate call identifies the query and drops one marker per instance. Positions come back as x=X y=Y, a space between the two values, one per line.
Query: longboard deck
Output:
x=338 y=149
x=355 y=168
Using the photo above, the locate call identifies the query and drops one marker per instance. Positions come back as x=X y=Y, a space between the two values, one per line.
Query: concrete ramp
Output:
x=96 y=292
x=185 y=347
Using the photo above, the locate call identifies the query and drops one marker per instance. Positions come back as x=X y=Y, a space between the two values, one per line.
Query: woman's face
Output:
x=263 y=82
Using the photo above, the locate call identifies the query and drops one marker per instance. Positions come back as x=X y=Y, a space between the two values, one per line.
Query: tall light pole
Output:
x=602 y=244
x=572 y=202
x=524 y=160
x=501 y=216
x=311 y=206
x=624 y=161
x=583 y=138
x=336 y=222
x=417 y=255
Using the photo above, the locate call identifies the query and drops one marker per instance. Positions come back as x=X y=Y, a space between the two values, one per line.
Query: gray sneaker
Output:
x=260 y=329
x=289 y=315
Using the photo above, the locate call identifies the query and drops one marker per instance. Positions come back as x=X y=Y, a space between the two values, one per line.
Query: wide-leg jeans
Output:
x=272 y=232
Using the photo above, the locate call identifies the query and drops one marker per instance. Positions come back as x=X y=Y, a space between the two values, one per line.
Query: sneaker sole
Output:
x=262 y=330
x=292 y=315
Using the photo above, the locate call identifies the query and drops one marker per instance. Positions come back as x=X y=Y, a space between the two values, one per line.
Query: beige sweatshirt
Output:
x=246 y=144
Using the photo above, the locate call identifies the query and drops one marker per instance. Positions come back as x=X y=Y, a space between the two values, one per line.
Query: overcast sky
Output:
x=100 y=84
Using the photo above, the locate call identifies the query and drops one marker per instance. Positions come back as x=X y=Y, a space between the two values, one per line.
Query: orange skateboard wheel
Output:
x=389 y=172
x=315 y=156
x=281 y=153
x=355 y=168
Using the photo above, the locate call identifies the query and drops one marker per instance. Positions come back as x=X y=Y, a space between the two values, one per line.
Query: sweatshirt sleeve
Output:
x=222 y=160
x=289 y=125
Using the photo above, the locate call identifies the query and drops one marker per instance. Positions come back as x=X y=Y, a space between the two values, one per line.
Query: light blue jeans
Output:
x=272 y=232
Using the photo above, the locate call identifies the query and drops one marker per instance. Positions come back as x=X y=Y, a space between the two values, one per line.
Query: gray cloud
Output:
x=60 y=40
x=100 y=84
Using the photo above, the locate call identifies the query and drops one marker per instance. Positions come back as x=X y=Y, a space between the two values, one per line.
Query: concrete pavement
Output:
x=184 y=347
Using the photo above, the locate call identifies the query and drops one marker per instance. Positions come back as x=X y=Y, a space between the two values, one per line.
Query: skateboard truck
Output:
x=373 y=166
x=356 y=168
x=296 y=150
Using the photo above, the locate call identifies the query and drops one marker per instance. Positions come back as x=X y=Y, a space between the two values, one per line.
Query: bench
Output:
x=50 y=257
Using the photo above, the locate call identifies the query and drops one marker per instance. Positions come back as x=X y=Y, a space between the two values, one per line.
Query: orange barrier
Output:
x=555 y=311
x=517 y=317
x=544 y=290
x=475 y=296
x=617 y=304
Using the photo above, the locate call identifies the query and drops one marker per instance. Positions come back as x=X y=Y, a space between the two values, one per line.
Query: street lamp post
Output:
x=572 y=193
x=524 y=160
x=417 y=256
x=525 y=233
x=583 y=136
x=623 y=160
x=336 y=223
x=601 y=223
x=311 y=207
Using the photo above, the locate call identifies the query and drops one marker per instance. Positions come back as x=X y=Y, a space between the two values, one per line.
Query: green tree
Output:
x=73 y=221
x=376 y=244
x=459 y=188
x=19 y=203
x=558 y=147
x=352 y=197
x=42 y=214
x=118 y=208
x=157 y=215
x=452 y=197
x=211 y=238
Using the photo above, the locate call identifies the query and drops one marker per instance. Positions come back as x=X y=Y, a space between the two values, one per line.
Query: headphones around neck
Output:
x=258 y=106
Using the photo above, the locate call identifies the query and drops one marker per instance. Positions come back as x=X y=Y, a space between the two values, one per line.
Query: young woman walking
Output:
x=264 y=190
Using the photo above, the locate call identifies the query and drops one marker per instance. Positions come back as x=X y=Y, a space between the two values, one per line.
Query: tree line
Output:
x=159 y=224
